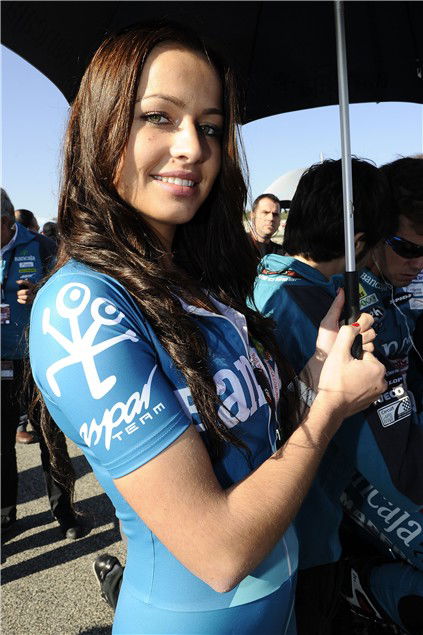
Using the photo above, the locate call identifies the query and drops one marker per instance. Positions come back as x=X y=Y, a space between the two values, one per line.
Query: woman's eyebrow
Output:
x=179 y=103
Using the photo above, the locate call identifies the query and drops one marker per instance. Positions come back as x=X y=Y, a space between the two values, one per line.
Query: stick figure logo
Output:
x=71 y=302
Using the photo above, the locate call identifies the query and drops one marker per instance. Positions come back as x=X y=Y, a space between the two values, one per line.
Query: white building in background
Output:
x=284 y=187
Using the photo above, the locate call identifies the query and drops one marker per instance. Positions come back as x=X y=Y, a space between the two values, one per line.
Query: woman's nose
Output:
x=188 y=143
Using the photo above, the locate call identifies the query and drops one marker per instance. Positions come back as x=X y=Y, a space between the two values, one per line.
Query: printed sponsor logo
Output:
x=395 y=412
x=416 y=288
x=395 y=348
x=395 y=380
x=25 y=263
x=277 y=278
x=416 y=304
x=24 y=255
x=122 y=412
x=393 y=520
x=237 y=404
x=401 y=298
x=394 y=393
x=360 y=599
x=234 y=408
x=71 y=302
x=368 y=300
x=377 y=313
x=26 y=273
x=371 y=281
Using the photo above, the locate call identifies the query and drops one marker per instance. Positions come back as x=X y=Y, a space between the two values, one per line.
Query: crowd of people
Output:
x=266 y=479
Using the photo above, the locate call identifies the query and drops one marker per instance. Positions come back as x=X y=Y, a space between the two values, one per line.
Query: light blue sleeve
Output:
x=97 y=367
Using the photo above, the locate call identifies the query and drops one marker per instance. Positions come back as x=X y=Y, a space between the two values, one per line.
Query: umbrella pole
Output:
x=352 y=302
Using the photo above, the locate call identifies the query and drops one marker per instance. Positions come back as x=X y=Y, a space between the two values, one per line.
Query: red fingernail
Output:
x=355 y=324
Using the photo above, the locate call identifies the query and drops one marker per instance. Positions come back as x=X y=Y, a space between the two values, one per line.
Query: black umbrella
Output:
x=284 y=51
x=285 y=54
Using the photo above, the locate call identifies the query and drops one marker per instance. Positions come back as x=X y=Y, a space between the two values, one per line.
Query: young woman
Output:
x=148 y=358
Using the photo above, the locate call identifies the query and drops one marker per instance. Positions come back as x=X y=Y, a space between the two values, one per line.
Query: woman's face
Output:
x=173 y=153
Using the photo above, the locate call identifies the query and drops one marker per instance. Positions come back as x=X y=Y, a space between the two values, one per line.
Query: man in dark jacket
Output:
x=265 y=221
x=26 y=258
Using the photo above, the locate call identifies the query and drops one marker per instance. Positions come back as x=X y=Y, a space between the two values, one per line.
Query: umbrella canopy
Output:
x=284 y=52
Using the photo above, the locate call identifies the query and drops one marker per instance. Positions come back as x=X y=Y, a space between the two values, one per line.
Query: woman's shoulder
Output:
x=78 y=294
x=75 y=284
x=78 y=273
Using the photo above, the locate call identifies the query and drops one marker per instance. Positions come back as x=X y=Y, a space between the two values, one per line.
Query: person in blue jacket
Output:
x=395 y=274
x=391 y=289
x=147 y=356
x=26 y=259
x=384 y=443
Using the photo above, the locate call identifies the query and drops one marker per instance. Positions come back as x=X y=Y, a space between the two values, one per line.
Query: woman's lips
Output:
x=184 y=188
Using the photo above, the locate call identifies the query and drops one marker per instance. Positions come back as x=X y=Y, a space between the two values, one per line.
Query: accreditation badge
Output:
x=5 y=313
x=6 y=369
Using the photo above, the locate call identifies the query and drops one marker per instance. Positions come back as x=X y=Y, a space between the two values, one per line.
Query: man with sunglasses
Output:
x=406 y=250
x=391 y=288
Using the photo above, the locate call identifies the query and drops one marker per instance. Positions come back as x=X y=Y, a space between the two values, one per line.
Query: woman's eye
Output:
x=155 y=117
x=210 y=131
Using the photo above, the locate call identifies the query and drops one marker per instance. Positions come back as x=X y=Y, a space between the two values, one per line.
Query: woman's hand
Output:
x=327 y=334
x=348 y=385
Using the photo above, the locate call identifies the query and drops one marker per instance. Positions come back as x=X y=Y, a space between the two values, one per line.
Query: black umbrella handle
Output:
x=352 y=309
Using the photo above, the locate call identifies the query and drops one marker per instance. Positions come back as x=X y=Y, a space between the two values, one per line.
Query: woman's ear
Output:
x=359 y=244
x=363 y=255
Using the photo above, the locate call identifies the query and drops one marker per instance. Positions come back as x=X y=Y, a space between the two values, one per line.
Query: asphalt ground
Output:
x=48 y=586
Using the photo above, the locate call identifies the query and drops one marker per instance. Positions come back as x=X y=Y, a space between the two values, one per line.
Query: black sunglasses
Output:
x=405 y=248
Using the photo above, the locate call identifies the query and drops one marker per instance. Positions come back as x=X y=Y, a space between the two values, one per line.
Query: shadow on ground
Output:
x=97 y=511
x=65 y=552
x=31 y=481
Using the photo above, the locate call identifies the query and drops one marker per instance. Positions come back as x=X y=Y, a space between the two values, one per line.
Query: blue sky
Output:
x=34 y=117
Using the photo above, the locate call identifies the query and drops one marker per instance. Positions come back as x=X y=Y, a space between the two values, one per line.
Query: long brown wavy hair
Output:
x=211 y=252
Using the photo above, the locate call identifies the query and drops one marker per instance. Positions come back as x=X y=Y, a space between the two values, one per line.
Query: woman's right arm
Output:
x=92 y=357
x=222 y=535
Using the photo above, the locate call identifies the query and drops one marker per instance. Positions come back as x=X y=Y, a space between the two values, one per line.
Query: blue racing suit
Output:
x=89 y=339
x=389 y=529
x=384 y=444
x=395 y=311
